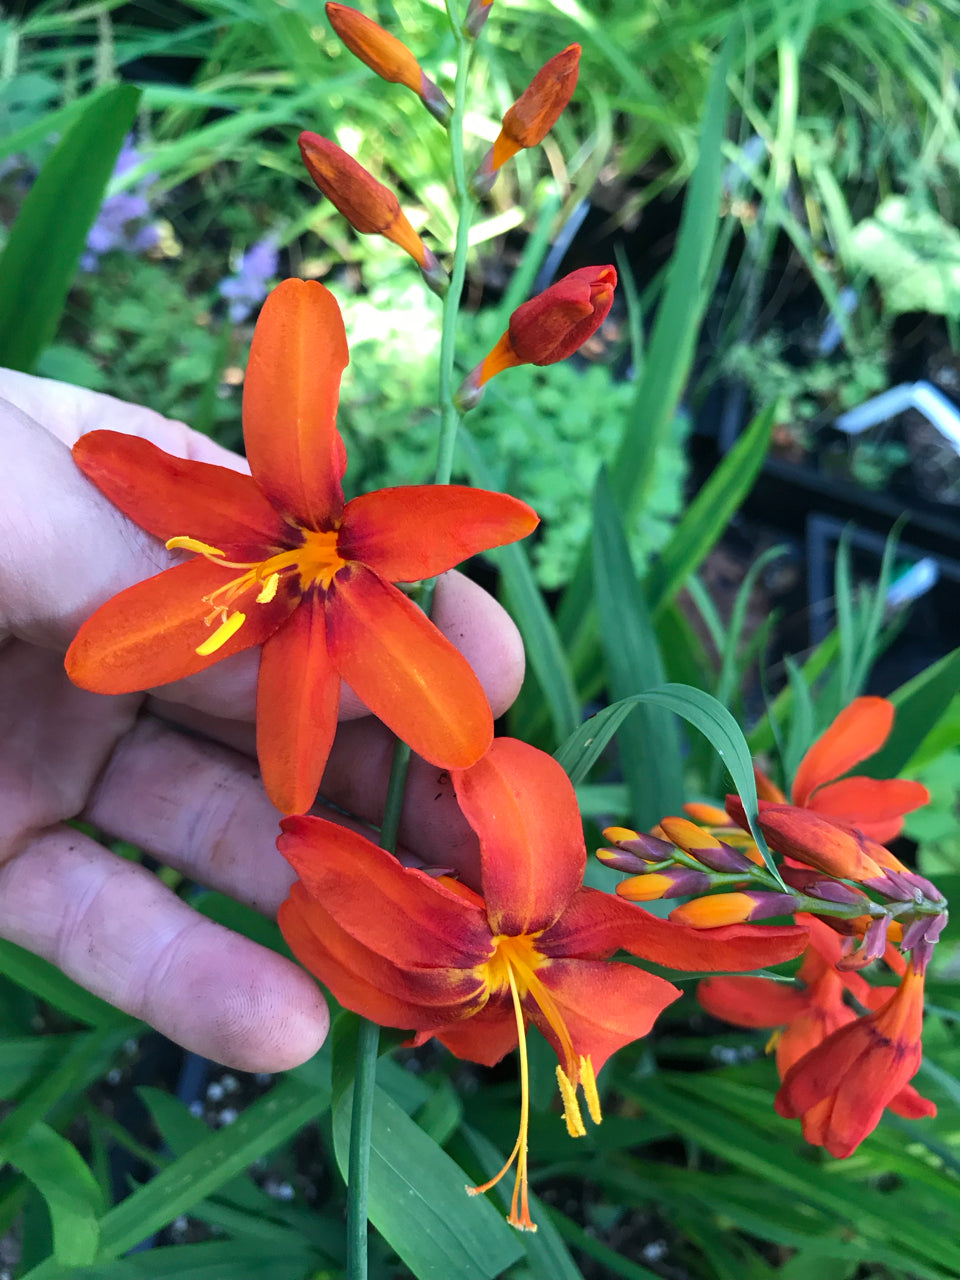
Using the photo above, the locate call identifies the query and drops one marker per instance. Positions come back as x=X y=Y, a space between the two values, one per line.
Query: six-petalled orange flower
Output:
x=433 y=956
x=874 y=1071
x=875 y=806
x=280 y=560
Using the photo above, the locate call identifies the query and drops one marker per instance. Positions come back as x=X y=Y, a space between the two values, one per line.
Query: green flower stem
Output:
x=361 y=1118
x=449 y=413
x=361 y=1126
x=368 y=1044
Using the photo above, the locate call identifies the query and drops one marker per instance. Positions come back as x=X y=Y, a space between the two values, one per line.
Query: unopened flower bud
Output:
x=533 y=114
x=805 y=836
x=547 y=328
x=477 y=13
x=872 y=948
x=649 y=848
x=678 y=882
x=369 y=206
x=707 y=815
x=713 y=853
x=387 y=56
x=733 y=908
x=815 y=885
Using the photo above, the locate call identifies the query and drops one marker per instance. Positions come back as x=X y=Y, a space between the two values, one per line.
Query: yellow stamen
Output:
x=227 y=628
x=192 y=544
x=520 y=1199
x=314 y=562
x=571 y=1107
x=588 y=1082
x=773 y=1041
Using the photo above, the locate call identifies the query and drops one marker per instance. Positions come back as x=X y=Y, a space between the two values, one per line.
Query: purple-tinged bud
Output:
x=873 y=946
x=923 y=929
x=894 y=886
x=706 y=848
x=477 y=13
x=621 y=860
x=678 y=882
x=733 y=908
x=644 y=846
x=815 y=885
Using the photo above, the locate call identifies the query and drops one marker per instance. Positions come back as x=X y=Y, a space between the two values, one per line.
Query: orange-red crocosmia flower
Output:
x=875 y=806
x=547 y=328
x=281 y=561
x=807 y=1014
x=840 y=1087
x=387 y=56
x=431 y=955
x=533 y=115
x=369 y=206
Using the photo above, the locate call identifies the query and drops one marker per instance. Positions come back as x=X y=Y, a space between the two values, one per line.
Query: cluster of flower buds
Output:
x=886 y=902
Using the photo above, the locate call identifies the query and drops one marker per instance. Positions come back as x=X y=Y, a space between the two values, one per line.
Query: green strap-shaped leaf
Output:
x=41 y=256
x=581 y=750
x=710 y=513
x=59 y=1173
x=418 y=1200
x=649 y=741
x=920 y=704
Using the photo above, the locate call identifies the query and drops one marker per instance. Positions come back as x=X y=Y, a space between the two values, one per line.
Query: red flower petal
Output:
x=290 y=398
x=171 y=497
x=870 y=802
x=407 y=673
x=859 y=731
x=366 y=982
x=596 y=924
x=751 y=1002
x=298 y=694
x=396 y=911
x=417 y=531
x=521 y=804
x=912 y=1105
x=148 y=634
x=603 y=1006
x=484 y=1037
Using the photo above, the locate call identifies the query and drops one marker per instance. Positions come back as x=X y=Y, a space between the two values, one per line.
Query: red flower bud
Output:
x=533 y=114
x=387 y=56
x=548 y=328
x=369 y=206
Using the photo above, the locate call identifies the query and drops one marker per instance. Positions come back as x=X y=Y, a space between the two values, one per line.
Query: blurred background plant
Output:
x=782 y=214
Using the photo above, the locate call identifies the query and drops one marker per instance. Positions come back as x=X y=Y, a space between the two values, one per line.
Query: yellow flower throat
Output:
x=513 y=967
x=315 y=563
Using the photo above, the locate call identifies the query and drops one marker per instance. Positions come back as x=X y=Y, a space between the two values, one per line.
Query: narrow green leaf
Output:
x=920 y=704
x=649 y=741
x=59 y=1173
x=672 y=342
x=47 y=982
x=418 y=1200
x=802 y=721
x=710 y=512
x=581 y=750
x=23 y=1058
x=41 y=256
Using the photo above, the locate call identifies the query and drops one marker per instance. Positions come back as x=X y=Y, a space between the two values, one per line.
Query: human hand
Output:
x=171 y=771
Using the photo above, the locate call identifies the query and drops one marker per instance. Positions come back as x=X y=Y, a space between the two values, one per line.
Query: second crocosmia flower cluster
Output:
x=278 y=559
x=433 y=956
x=846 y=1050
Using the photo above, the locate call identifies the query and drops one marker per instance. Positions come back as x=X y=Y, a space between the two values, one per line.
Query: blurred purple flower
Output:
x=121 y=222
x=250 y=286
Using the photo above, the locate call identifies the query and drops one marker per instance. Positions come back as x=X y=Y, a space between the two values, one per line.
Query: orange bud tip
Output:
x=733 y=908
x=477 y=13
x=708 y=815
x=435 y=278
